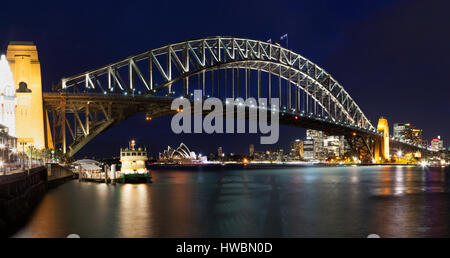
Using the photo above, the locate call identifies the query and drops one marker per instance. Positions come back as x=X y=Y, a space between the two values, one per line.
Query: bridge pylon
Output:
x=382 y=144
x=30 y=119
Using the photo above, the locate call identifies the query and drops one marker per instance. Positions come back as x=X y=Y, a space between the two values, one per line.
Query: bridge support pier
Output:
x=363 y=147
x=26 y=68
x=77 y=120
x=372 y=149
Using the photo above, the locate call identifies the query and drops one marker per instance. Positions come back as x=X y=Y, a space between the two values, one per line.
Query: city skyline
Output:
x=333 y=144
x=195 y=141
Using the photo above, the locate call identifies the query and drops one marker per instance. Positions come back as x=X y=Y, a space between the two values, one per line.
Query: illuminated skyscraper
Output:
x=400 y=130
x=251 y=150
x=414 y=135
x=333 y=146
x=407 y=132
x=296 y=150
x=437 y=144
x=317 y=136
x=280 y=154
x=308 y=148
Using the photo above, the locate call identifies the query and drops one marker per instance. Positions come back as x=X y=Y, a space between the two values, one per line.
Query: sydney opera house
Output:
x=182 y=154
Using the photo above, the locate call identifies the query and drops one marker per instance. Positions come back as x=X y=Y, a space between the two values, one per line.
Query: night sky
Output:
x=393 y=57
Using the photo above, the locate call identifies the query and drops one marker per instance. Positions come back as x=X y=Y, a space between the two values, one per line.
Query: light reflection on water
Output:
x=397 y=201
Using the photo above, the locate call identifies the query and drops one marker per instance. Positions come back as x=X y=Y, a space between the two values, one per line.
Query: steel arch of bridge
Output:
x=159 y=69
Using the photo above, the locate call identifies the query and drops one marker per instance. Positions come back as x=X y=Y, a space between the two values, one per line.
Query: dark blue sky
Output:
x=392 y=57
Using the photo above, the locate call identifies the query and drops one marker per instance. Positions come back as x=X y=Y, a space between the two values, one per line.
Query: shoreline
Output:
x=275 y=165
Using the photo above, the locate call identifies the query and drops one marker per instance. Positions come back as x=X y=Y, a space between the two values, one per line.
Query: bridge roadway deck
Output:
x=157 y=106
x=127 y=105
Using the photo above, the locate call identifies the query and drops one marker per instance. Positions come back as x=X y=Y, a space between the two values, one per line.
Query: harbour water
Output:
x=391 y=201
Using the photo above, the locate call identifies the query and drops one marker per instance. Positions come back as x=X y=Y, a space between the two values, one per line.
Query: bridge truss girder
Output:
x=76 y=120
x=158 y=70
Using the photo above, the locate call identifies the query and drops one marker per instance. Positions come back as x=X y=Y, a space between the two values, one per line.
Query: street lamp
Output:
x=23 y=155
x=14 y=155
x=31 y=156
x=2 y=148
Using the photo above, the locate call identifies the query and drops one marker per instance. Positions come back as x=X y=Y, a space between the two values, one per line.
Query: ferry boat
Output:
x=133 y=167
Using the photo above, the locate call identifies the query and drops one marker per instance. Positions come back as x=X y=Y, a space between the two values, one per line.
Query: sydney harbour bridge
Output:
x=82 y=106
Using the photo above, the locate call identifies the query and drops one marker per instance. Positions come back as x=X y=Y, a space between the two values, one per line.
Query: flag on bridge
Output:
x=269 y=41
x=285 y=37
